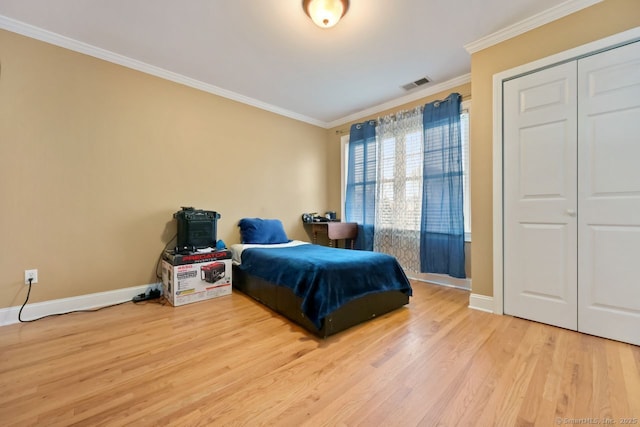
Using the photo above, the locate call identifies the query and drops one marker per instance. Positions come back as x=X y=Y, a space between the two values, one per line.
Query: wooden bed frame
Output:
x=282 y=300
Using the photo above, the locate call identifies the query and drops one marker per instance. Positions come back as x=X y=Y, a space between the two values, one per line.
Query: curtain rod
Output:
x=345 y=131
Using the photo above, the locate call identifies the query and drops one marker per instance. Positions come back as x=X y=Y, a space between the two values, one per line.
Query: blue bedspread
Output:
x=325 y=278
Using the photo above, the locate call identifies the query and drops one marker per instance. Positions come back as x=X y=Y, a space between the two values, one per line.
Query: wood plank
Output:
x=232 y=361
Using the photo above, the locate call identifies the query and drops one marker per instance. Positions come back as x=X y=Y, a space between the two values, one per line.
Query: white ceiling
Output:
x=268 y=53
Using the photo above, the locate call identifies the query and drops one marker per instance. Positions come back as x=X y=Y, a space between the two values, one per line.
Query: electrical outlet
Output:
x=31 y=274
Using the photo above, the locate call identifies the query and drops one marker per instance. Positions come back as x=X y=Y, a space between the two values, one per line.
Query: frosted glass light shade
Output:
x=325 y=13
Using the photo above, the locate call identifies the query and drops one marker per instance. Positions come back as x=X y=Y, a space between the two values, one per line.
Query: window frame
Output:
x=344 y=161
x=465 y=108
x=466 y=162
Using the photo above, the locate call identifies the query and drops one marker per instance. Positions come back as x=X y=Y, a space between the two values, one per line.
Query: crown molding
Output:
x=413 y=96
x=46 y=36
x=535 y=21
x=557 y=12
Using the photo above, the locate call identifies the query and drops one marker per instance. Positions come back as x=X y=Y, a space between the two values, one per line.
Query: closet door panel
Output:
x=609 y=194
x=540 y=196
x=612 y=267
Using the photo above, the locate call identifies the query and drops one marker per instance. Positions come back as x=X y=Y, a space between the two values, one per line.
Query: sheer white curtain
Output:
x=399 y=190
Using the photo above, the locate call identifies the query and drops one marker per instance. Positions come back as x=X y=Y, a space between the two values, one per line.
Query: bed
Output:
x=325 y=290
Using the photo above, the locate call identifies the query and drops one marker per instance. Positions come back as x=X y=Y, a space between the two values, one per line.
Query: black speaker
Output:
x=197 y=229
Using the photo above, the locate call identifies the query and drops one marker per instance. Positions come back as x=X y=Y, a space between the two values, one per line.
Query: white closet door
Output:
x=609 y=194
x=540 y=201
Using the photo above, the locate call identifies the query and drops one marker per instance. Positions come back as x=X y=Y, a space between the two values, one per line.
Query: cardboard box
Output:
x=191 y=278
x=190 y=258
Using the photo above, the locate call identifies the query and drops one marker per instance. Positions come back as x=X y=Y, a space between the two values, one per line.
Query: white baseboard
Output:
x=481 y=302
x=441 y=279
x=9 y=316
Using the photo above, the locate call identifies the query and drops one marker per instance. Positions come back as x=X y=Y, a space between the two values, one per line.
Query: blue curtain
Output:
x=442 y=225
x=360 y=197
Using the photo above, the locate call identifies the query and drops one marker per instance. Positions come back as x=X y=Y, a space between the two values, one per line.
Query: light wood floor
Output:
x=230 y=361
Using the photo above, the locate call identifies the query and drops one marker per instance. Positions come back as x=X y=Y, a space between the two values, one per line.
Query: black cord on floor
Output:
x=25 y=301
x=159 y=275
x=61 y=314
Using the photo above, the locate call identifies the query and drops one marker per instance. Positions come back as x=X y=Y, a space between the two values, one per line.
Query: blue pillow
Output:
x=262 y=231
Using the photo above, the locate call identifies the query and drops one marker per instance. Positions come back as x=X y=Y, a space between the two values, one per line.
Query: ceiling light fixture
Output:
x=325 y=13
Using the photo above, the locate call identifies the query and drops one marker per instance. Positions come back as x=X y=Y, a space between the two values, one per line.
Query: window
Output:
x=400 y=167
x=412 y=145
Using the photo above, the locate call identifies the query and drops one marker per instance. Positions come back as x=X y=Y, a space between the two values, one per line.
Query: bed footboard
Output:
x=282 y=300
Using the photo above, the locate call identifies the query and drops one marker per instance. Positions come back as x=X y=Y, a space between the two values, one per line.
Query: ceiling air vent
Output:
x=419 y=82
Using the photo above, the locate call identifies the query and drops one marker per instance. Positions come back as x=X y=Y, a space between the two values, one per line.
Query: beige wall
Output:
x=95 y=158
x=596 y=22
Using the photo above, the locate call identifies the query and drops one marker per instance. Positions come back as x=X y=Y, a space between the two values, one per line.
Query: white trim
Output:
x=50 y=37
x=535 y=21
x=498 y=79
x=344 y=156
x=46 y=36
x=9 y=315
x=441 y=279
x=542 y=18
x=414 y=96
x=497 y=196
x=481 y=302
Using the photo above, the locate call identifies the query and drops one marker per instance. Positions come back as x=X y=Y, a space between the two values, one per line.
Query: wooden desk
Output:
x=346 y=231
